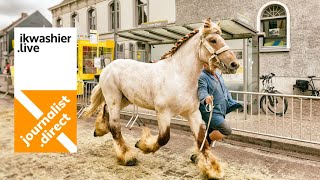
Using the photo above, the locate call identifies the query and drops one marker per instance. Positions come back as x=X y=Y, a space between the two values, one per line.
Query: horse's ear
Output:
x=219 y=23
x=207 y=23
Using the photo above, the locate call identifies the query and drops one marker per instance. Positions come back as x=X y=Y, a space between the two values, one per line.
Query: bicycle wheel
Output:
x=275 y=104
x=315 y=93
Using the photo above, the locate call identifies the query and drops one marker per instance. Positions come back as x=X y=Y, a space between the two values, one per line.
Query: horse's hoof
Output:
x=137 y=144
x=94 y=133
x=131 y=162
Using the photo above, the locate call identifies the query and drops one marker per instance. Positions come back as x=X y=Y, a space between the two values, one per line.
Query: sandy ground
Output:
x=96 y=159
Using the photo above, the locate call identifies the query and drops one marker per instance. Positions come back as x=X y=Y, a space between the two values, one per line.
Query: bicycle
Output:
x=275 y=104
x=303 y=86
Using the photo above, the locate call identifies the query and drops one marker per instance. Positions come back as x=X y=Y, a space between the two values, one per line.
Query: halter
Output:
x=214 y=55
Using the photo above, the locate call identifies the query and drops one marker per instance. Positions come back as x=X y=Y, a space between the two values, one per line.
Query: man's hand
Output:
x=209 y=99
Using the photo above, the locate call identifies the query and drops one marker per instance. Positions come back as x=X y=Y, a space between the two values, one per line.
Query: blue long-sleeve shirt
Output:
x=208 y=85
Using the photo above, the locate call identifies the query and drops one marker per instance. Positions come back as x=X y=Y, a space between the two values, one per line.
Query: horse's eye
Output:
x=213 y=41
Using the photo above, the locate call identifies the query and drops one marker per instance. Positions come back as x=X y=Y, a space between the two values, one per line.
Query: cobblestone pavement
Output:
x=96 y=159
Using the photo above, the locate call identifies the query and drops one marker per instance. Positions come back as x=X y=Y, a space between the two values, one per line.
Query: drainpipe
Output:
x=115 y=4
x=245 y=74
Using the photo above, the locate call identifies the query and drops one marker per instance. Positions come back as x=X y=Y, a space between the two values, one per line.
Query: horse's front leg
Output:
x=207 y=162
x=149 y=143
x=123 y=152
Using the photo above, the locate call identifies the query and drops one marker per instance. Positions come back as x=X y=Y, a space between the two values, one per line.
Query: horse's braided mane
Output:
x=179 y=44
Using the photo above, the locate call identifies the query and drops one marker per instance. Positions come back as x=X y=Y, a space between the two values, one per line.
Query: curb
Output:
x=284 y=145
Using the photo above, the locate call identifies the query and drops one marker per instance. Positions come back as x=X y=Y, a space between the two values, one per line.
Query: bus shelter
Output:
x=241 y=37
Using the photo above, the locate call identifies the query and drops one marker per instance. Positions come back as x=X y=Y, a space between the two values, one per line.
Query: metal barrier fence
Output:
x=6 y=85
x=300 y=122
x=84 y=90
x=277 y=115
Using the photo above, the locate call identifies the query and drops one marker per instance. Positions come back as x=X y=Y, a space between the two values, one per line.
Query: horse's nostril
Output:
x=234 y=65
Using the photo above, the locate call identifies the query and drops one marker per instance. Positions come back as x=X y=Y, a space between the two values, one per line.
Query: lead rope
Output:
x=210 y=106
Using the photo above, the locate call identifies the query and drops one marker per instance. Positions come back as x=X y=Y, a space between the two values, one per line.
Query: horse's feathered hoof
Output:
x=137 y=144
x=147 y=143
x=94 y=133
x=209 y=165
x=131 y=162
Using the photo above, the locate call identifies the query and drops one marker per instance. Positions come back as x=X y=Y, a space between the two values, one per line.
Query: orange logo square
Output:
x=45 y=121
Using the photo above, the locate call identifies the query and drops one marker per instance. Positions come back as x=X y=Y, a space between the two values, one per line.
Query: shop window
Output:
x=131 y=51
x=120 y=48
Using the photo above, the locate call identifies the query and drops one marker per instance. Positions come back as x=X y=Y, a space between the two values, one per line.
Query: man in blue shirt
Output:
x=211 y=87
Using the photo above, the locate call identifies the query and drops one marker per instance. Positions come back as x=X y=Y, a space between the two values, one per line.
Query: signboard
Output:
x=154 y=24
x=97 y=62
x=45 y=90
x=93 y=39
x=274 y=32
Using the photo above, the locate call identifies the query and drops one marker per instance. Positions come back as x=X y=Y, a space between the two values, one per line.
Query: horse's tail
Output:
x=96 y=100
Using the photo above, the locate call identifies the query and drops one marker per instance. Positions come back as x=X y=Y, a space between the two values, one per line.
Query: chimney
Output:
x=23 y=15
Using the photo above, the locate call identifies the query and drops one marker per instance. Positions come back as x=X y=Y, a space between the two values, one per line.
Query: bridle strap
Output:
x=214 y=55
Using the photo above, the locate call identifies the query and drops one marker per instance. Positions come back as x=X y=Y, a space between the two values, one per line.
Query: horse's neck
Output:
x=186 y=60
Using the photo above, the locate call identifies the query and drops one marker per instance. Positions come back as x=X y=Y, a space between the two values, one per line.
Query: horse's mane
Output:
x=179 y=44
x=208 y=27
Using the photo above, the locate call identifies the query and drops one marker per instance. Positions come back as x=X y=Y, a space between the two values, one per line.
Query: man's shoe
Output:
x=194 y=158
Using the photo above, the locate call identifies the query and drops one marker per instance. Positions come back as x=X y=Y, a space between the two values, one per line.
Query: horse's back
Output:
x=135 y=80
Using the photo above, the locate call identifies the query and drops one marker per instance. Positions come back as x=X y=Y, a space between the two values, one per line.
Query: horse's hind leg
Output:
x=149 y=143
x=207 y=162
x=101 y=127
x=123 y=152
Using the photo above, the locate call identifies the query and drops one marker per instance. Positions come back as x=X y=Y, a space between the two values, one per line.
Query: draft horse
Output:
x=169 y=87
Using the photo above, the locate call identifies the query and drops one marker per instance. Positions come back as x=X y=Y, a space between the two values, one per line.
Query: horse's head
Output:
x=213 y=49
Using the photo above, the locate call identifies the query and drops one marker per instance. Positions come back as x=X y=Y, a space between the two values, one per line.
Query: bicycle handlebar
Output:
x=269 y=76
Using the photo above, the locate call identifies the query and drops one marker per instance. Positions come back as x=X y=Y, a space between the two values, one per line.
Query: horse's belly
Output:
x=140 y=99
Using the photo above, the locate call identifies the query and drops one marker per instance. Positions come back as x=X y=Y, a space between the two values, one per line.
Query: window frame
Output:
x=74 y=16
x=91 y=11
x=59 y=22
x=136 y=6
x=111 y=12
x=260 y=20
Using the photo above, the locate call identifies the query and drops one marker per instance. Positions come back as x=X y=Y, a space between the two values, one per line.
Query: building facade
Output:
x=98 y=15
x=291 y=43
x=288 y=45
x=35 y=19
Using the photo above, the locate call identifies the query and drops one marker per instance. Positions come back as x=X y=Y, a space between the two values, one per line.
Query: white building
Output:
x=99 y=15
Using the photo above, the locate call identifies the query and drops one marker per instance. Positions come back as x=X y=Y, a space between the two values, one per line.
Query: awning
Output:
x=231 y=29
